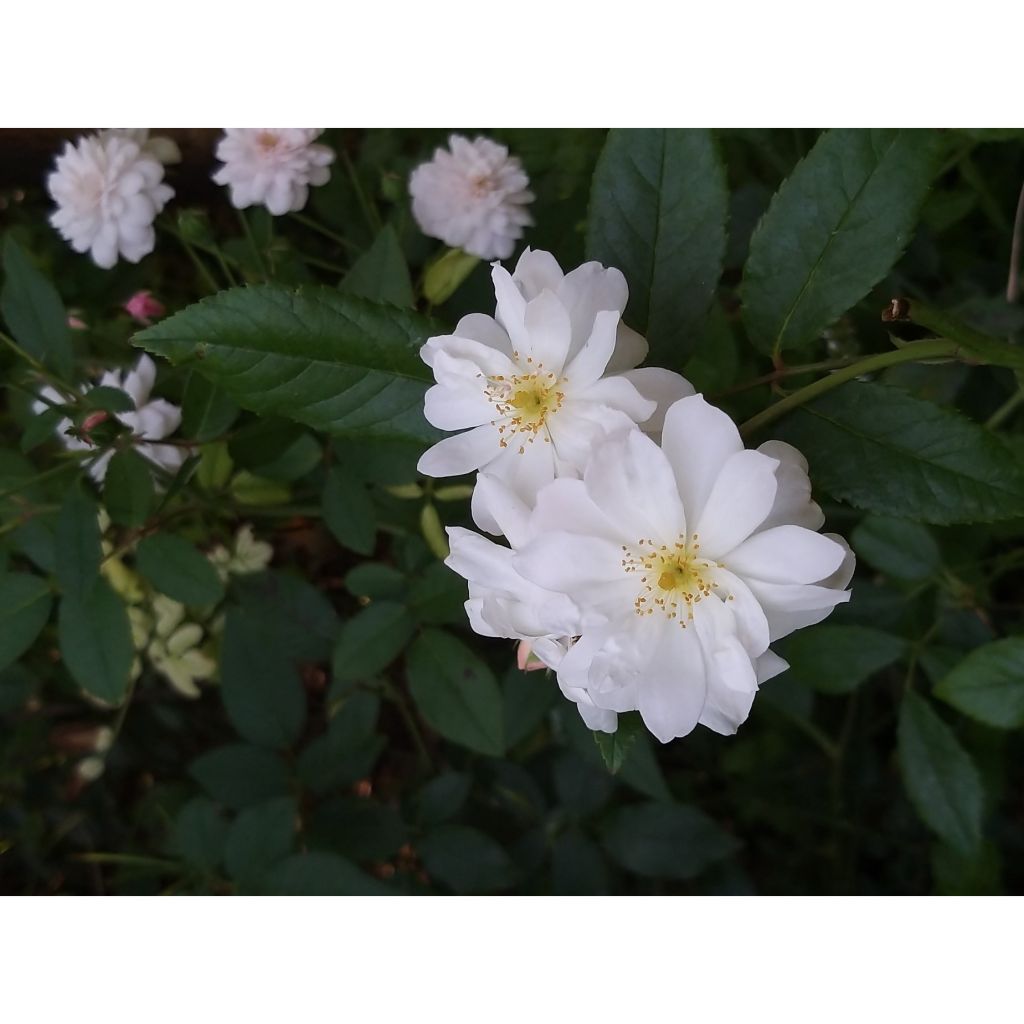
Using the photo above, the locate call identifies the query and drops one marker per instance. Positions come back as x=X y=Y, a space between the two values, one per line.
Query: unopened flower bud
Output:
x=444 y=275
x=143 y=308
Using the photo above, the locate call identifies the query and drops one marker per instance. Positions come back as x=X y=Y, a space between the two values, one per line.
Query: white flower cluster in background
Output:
x=650 y=559
x=272 y=166
x=152 y=419
x=472 y=196
x=108 y=188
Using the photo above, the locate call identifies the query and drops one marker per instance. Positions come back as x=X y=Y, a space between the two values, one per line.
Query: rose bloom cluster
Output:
x=649 y=558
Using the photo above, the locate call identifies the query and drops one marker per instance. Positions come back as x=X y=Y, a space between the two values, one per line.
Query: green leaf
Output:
x=883 y=450
x=348 y=750
x=443 y=797
x=260 y=687
x=24 y=608
x=837 y=659
x=178 y=570
x=939 y=776
x=658 y=208
x=109 y=399
x=577 y=866
x=456 y=693
x=317 y=873
x=381 y=273
x=661 y=840
x=348 y=512
x=293 y=615
x=365 y=830
x=988 y=684
x=466 y=860
x=78 y=550
x=239 y=775
x=206 y=410
x=615 y=746
x=96 y=641
x=334 y=362
x=128 y=488
x=526 y=699
x=897 y=547
x=582 y=789
x=199 y=833
x=375 y=580
x=34 y=311
x=833 y=230
x=438 y=596
x=259 y=838
x=371 y=640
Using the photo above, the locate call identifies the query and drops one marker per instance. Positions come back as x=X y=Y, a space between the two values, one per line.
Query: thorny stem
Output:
x=933 y=349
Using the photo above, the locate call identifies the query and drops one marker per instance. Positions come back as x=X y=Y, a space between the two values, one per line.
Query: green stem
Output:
x=1007 y=409
x=36 y=365
x=787 y=371
x=252 y=241
x=201 y=268
x=315 y=225
x=395 y=696
x=26 y=484
x=933 y=349
x=128 y=859
x=369 y=211
x=314 y=261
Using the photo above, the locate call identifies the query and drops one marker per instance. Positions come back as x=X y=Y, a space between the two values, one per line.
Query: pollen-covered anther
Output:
x=524 y=402
x=676 y=577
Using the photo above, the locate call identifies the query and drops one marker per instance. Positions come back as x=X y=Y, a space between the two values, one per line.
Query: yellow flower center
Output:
x=674 y=577
x=523 y=401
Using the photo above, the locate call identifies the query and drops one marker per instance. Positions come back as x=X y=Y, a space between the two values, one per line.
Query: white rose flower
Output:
x=272 y=166
x=472 y=196
x=538 y=383
x=153 y=419
x=109 y=188
x=685 y=562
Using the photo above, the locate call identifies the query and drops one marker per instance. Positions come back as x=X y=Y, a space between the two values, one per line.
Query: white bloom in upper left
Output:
x=152 y=418
x=540 y=382
x=109 y=188
x=473 y=196
x=272 y=166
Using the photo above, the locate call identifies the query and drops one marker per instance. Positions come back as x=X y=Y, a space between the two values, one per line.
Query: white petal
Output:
x=697 y=439
x=793 y=504
x=456 y=409
x=499 y=504
x=749 y=619
x=662 y=387
x=589 y=364
x=566 y=504
x=462 y=453
x=568 y=563
x=768 y=666
x=672 y=694
x=630 y=480
x=742 y=496
x=511 y=311
x=537 y=271
x=484 y=329
x=792 y=606
x=786 y=554
x=630 y=350
x=617 y=393
x=549 y=332
x=489 y=361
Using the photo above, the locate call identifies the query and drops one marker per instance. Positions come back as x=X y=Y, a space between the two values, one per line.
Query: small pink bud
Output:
x=76 y=323
x=94 y=419
x=142 y=308
x=526 y=659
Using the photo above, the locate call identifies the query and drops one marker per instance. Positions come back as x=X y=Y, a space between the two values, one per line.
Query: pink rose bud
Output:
x=94 y=419
x=526 y=659
x=76 y=323
x=142 y=308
